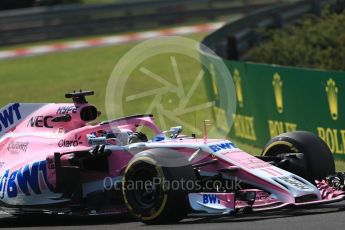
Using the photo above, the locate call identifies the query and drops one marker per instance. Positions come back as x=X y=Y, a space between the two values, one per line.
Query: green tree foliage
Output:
x=317 y=42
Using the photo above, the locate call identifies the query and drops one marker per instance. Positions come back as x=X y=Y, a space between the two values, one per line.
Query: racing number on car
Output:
x=294 y=182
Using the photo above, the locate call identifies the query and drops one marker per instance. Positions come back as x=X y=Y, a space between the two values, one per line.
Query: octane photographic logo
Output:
x=165 y=76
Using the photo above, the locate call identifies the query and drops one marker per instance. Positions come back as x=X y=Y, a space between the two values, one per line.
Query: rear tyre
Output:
x=153 y=186
x=315 y=161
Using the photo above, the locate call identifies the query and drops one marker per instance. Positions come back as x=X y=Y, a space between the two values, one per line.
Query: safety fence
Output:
x=43 y=23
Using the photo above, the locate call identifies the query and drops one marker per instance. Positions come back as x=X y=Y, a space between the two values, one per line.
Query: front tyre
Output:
x=153 y=187
x=307 y=154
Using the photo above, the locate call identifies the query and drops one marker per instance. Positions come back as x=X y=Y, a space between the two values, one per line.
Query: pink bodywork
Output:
x=36 y=138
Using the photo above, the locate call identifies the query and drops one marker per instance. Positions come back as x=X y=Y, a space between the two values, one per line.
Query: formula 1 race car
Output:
x=53 y=161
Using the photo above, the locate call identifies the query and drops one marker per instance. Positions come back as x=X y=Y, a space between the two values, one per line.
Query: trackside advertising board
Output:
x=274 y=99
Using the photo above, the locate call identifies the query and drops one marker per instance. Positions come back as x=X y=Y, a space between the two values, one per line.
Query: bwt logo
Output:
x=210 y=199
x=27 y=179
x=222 y=146
x=9 y=116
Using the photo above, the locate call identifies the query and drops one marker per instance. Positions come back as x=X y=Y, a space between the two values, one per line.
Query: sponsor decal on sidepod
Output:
x=26 y=180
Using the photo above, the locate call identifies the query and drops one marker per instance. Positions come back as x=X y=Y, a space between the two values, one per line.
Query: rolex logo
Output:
x=238 y=86
x=278 y=92
x=214 y=81
x=332 y=96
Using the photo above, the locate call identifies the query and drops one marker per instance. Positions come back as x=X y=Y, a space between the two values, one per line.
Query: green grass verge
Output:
x=46 y=78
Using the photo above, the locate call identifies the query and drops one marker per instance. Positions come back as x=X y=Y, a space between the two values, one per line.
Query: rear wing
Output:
x=14 y=113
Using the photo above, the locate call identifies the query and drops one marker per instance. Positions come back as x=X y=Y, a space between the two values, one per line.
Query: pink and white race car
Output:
x=52 y=160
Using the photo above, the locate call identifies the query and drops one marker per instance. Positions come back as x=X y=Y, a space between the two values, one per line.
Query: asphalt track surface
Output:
x=330 y=216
